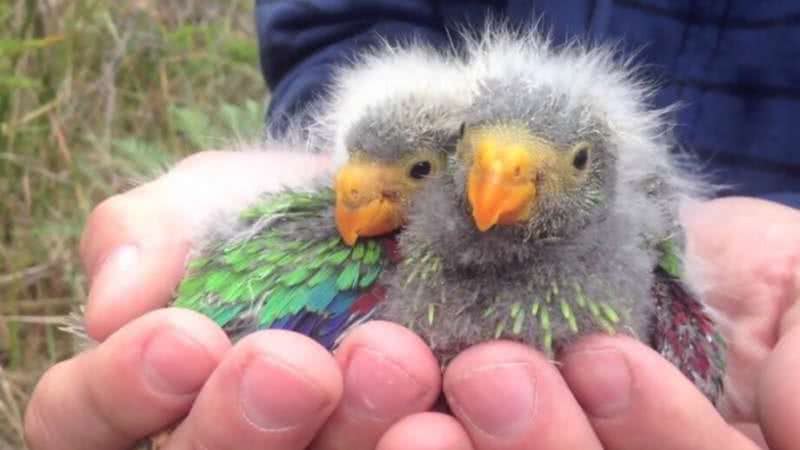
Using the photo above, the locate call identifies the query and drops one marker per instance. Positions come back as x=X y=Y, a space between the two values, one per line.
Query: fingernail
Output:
x=276 y=397
x=600 y=379
x=499 y=399
x=175 y=363
x=379 y=388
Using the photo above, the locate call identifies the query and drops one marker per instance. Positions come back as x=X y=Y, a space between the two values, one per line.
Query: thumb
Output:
x=778 y=390
x=135 y=244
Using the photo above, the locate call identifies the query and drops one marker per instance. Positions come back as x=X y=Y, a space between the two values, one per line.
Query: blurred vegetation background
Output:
x=95 y=94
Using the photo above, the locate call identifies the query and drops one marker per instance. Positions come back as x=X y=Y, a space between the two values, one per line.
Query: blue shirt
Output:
x=734 y=65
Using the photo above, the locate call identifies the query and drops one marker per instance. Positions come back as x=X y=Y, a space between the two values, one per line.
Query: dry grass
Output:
x=93 y=94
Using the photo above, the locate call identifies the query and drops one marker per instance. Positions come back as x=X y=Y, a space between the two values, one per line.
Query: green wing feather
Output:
x=267 y=278
x=670 y=259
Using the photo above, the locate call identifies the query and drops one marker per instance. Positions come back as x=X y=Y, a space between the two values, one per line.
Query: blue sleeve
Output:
x=301 y=41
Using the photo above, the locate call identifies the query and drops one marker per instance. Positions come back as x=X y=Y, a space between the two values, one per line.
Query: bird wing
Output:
x=683 y=332
x=270 y=278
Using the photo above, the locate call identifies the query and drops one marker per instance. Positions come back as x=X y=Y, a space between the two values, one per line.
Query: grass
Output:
x=94 y=94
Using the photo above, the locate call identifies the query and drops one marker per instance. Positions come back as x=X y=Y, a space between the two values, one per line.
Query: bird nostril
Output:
x=517 y=171
x=354 y=192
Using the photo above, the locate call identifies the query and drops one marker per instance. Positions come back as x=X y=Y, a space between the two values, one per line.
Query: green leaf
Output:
x=10 y=47
x=18 y=82
x=240 y=49
x=141 y=159
x=193 y=124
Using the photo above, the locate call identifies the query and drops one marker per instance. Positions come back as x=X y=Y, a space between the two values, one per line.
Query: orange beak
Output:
x=501 y=187
x=363 y=207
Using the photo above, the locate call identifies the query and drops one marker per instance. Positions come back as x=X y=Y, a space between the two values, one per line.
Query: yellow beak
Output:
x=500 y=187
x=363 y=206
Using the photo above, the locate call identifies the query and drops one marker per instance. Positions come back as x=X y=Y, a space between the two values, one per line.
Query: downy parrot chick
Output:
x=557 y=216
x=313 y=259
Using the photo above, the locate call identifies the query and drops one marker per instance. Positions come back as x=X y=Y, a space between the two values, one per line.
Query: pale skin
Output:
x=280 y=390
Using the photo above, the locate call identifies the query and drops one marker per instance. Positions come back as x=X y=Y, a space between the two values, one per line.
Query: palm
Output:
x=746 y=253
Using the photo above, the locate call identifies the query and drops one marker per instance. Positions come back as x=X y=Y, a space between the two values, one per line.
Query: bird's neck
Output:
x=463 y=248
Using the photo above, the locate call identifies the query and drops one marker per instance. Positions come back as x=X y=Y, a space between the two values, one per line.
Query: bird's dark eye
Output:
x=581 y=158
x=420 y=170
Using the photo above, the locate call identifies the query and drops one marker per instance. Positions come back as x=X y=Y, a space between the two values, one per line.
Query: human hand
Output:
x=69 y=409
x=746 y=255
x=155 y=366
x=618 y=394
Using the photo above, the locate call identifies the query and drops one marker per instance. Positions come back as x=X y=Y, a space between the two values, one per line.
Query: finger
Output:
x=137 y=382
x=389 y=373
x=779 y=391
x=135 y=244
x=275 y=389
x=508 y=396
x=636 y=399
x=426 y=431
x=134 y=252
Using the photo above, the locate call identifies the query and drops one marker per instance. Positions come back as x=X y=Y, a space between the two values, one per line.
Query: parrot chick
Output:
x=313 y=259
x=557 y=217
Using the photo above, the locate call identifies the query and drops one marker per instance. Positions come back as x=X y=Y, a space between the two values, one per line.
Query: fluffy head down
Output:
x=560 y=152
x=567 y=95
x=596 y=83
x=394 y=98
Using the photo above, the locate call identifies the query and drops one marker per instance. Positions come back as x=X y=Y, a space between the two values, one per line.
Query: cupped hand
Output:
x=134 y=245
x=745 y=256
x=615 y=393
x=155 y=367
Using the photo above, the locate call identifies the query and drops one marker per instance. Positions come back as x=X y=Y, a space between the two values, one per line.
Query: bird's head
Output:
x=372 y=197
x=391 y=117
x=560 y=145
x=534 y=163
x=393 y=151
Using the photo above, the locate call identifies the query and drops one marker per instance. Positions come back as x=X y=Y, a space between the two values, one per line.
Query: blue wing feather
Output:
x=271 y=280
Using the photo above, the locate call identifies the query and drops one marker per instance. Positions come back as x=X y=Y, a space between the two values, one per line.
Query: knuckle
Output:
x=109 y=210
